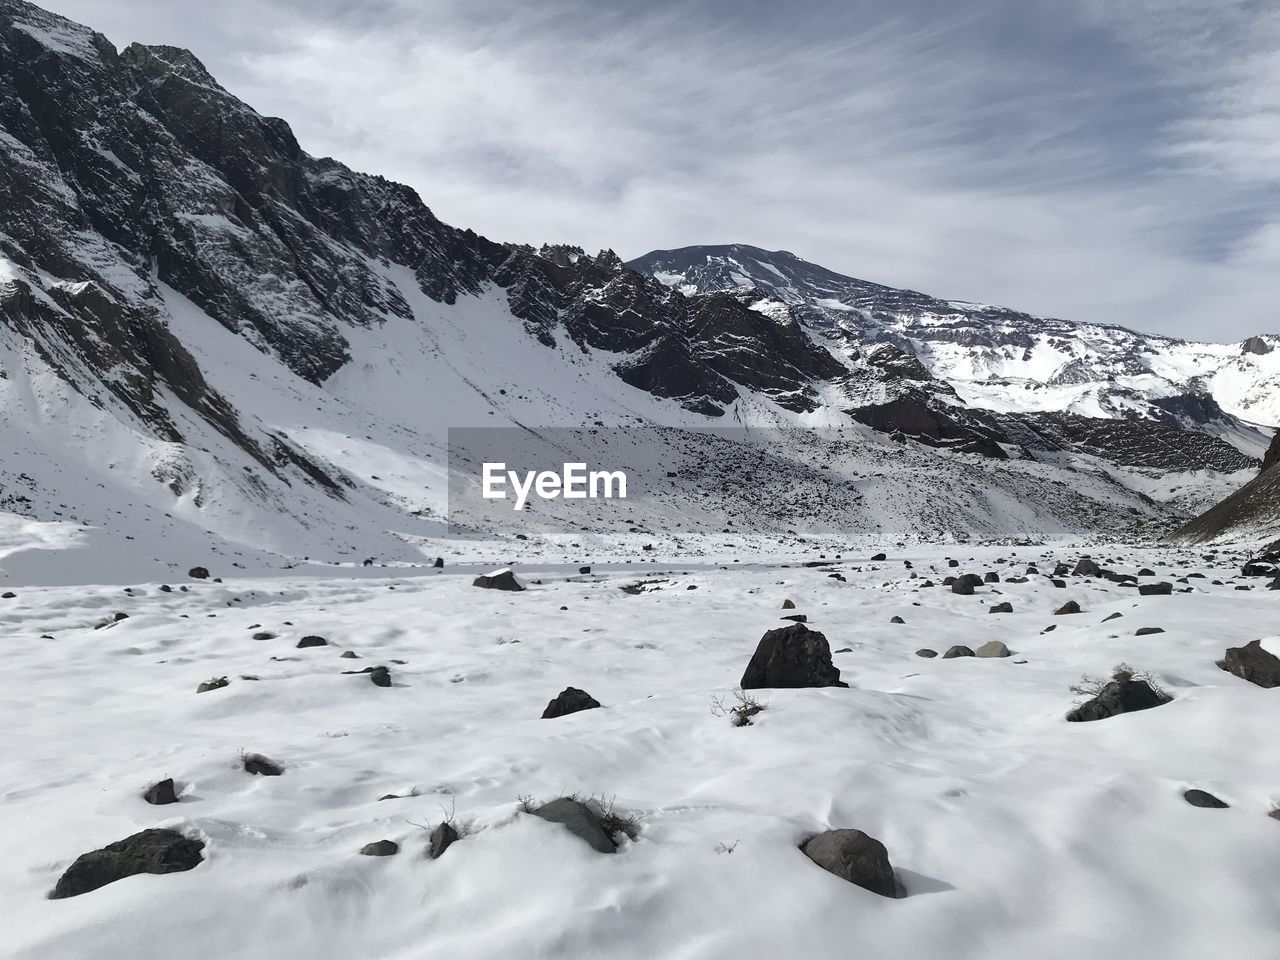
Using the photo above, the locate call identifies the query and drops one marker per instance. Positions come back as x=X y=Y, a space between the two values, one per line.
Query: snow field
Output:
x=1014 y=833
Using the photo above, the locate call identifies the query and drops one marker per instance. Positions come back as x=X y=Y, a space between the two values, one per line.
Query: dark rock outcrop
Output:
x=151 y=851
x=1087 y=567
x=790 y=657
x=580 y=820
x=161 y=793
x=1202 y=798
x=442 y=837
x=855 y=857
x=569 y=700
x=1254 y=664
x=1120 y=695
x=261 y=766
x=498 y=580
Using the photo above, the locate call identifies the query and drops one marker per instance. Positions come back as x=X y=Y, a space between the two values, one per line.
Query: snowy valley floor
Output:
x=1014 y=833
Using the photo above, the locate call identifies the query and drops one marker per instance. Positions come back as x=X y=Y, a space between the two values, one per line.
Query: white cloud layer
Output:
x=1114 y=160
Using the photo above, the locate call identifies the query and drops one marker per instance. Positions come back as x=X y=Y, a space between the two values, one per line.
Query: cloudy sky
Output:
x=1114 y=160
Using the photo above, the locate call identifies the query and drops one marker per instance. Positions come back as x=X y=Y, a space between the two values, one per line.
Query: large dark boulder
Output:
x=1087 y=567
x=1202 y=798
x=198 y=573
x=161 y=793
x=151 y=851
x=792 y=656
x=1254 y=664
x=261 y=766
x=498 y=580
x=853 y=856
x=1265 y=565
x=442 y=838
x=580 y=820
x=569 y=700
x=1162 y=589
x=1121 y=695
x=1069 y=607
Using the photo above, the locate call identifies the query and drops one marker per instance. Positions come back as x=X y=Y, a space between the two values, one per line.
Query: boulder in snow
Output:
x=498 y=580
x=791 y=657
x=855 y=857
x=569 y=700
x=151 y=851
x=1123 y=694
x=580 y=820
x=161 y=793
x=1251 y=662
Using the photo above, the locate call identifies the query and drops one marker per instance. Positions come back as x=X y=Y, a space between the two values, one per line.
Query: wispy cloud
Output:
x=1112 y=160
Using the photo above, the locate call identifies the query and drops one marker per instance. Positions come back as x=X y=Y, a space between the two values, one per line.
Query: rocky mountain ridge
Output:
x=994 y=357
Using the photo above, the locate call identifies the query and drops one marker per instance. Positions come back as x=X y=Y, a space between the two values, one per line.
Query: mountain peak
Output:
x=179 y=61
x=159 y=64
x=57 y=35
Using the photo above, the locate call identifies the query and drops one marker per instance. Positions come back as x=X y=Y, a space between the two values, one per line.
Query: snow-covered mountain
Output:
x=995 y=358
x=212 y=342
x=1251 y=513
x=985 y=377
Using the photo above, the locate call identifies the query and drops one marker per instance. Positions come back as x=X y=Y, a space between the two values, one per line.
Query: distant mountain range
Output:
x=212 y=339
x=998 y=359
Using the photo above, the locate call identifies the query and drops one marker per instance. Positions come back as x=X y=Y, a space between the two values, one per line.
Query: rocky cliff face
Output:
x=129 y=169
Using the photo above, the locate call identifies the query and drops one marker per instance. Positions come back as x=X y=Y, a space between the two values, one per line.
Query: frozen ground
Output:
x=1015 y=833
